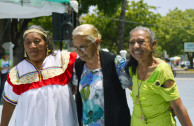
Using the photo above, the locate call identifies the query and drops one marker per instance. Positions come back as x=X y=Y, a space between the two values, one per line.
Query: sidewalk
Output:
x=184 y=71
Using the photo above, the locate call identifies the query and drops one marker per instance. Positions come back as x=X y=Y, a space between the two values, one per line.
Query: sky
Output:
x=165 y=5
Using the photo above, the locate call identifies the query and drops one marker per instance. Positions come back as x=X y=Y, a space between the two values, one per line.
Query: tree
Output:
x=137 y=13
x=45 y=22
x=4 y=30
x=107 y=6
x=174 y=29
x=12 y=31
x=121 y=27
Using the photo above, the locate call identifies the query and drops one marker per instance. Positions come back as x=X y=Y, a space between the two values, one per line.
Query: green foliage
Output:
x=45 y=22
x=107 y=6
x=137 y=13
x=171 y=30
x=158 y=52
x=176 y=28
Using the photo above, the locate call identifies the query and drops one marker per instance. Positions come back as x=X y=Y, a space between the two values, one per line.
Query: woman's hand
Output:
x=73 y=88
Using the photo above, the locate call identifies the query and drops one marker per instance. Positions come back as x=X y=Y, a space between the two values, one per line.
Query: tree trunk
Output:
x=190 y=58
x=5 y=33
x=18 y=28
x=121 y=28
x=11 y=31
x=191 y=61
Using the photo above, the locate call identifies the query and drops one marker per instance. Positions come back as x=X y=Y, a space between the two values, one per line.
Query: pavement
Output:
x=180 y=70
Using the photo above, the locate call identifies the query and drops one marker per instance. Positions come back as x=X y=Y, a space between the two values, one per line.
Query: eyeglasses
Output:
x=139 y=42
x=82 y=48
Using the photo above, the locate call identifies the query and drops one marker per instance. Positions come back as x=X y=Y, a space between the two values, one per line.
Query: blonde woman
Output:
x=100 y=80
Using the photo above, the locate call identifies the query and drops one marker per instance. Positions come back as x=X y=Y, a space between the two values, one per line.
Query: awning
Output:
x=175 y=58
x=33 y=8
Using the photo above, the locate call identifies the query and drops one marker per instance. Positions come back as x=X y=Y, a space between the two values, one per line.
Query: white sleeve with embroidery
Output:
x=9 y=95
x=124 y=78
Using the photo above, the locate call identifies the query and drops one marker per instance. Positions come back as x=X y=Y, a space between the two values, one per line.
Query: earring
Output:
x=47 y=51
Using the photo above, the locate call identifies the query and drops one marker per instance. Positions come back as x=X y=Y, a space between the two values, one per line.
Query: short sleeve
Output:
x=161 y=74
x=169 y=94
x=165 y=73
x=9 y=95
x=124 y=78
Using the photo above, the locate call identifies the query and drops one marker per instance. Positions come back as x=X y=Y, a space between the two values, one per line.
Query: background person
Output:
x=154 y=89
x=5 y=65
x=101 y=79
x=167 y=60
x=38 y=86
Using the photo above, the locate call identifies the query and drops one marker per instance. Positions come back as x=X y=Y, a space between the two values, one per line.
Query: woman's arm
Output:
x=7 y=112
x=74 y=81
x=178 y=107
x=181 y=112
x=124 y=77
x=74 y=88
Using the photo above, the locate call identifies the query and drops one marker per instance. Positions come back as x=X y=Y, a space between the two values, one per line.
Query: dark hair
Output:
x=47 y=39
x=167 y=59
x=132 y=62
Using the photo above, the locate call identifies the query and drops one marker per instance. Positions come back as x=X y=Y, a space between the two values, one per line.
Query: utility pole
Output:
x=121 y=27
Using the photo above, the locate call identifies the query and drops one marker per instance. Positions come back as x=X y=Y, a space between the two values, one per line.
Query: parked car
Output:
x=185 y=64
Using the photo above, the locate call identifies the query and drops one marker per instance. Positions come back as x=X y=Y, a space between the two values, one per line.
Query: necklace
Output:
x=139 y=85
x=142 y=117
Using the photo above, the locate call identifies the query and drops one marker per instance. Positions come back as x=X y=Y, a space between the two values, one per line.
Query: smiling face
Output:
x=89 y=49
x=35 y=47
x=140 y=46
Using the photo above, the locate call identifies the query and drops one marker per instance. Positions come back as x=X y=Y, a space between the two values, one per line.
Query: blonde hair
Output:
x=88 y=30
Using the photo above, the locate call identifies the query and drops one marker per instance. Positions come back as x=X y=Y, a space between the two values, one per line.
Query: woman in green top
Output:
x=154 y=89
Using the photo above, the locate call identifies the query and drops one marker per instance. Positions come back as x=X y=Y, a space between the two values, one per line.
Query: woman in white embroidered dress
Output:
x=37 y=88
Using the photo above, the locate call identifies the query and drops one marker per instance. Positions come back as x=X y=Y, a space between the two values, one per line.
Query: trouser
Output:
x=3 y=79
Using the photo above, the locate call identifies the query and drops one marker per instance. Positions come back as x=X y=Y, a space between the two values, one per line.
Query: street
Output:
x=184 y=76
x=185 y=83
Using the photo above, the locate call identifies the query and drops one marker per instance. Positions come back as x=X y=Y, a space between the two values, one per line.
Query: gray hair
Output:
x=37 y=29
x=43 y=33
x=149 y=32
x=87 y=30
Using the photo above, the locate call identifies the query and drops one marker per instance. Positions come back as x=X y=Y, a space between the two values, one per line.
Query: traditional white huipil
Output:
x=43 y=98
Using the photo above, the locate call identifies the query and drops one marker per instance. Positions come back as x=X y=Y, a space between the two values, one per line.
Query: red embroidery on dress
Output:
x=62 y=79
